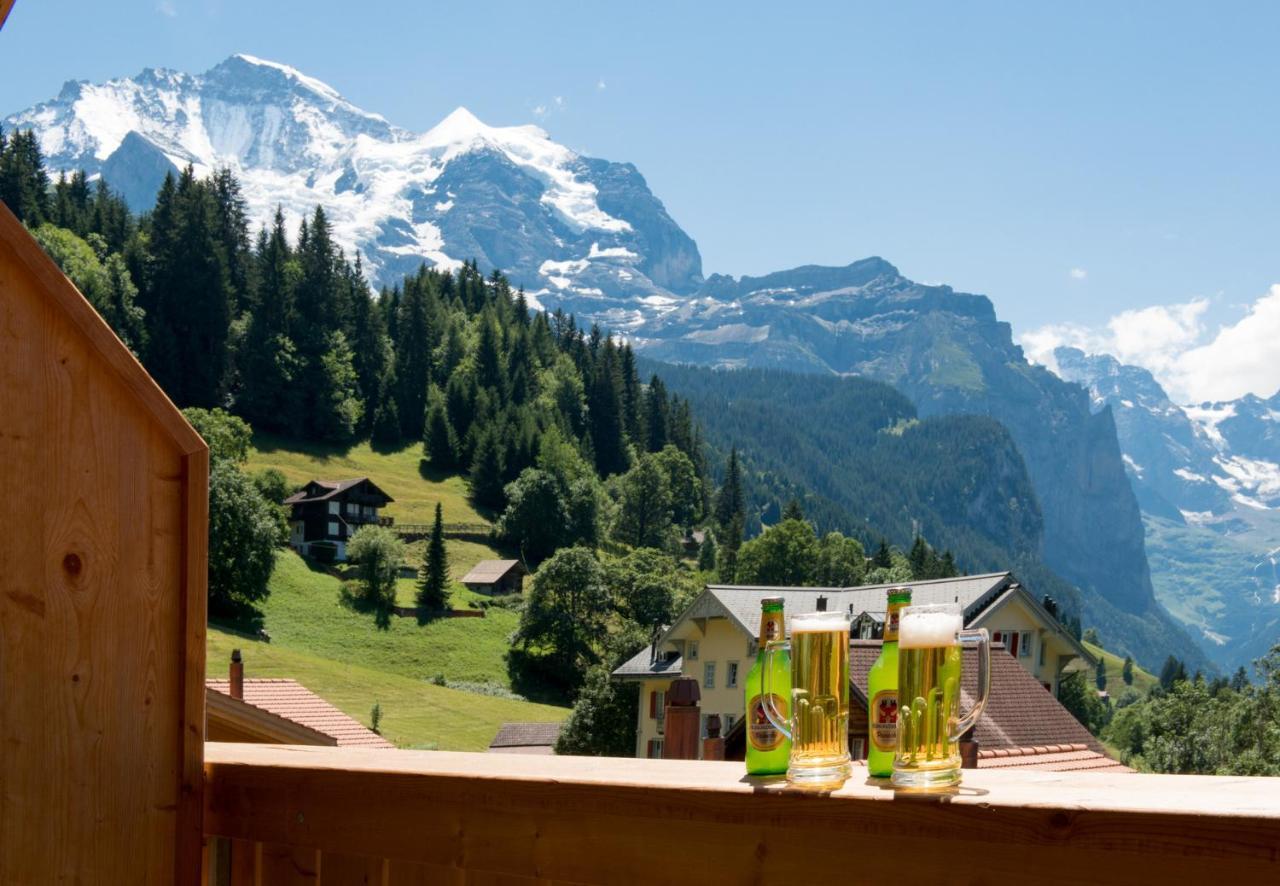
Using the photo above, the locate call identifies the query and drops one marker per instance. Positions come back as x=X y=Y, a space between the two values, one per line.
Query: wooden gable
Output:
x=102 y=596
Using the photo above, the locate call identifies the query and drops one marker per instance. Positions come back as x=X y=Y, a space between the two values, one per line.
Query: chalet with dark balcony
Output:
x=324 y=515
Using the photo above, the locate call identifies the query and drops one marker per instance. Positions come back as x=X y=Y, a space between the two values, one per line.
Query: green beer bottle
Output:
x=768 y=751
x=882 y=692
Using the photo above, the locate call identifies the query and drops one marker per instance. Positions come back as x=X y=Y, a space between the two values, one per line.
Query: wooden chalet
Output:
x=324 y=514
x=105 y=777
x=496 y=577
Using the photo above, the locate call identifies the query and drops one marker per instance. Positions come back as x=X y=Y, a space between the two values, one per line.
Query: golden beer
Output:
x=819 y=722
x=929 y=673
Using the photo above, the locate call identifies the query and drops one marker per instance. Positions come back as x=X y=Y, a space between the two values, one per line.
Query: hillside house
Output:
x=1023 y=726
x=327 y=513
x=714 y=640
x=496 y=577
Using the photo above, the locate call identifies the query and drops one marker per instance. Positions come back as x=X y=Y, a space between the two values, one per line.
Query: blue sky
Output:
x=1072 y=161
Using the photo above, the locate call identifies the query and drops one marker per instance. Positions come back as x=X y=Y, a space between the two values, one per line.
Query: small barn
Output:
x=496 y=577
x=324 y=514
x=103 y=575
x=526 y=738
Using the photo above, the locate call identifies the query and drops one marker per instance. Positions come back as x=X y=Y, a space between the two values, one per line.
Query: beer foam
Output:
x=819 y=622
x=918 y=630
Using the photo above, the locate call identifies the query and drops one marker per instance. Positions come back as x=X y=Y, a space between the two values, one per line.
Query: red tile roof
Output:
x=1020 y=712
x=293 y=701
x=1054 y=758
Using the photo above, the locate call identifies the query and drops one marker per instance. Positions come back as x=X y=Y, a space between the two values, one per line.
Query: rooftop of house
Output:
x=1020 y=712
x=293 y=701
x=1023 y=726
x=973 y=592
x=644 y=664
x=526 y=735
x=1050 y=758
x=489 y=571
x=322 y=490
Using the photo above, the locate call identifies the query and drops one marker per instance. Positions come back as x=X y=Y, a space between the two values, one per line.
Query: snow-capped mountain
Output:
x=577 y=232
x=1202 y=464
x=1208 y=480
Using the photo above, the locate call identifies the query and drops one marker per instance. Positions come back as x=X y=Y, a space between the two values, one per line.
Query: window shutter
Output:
x=653 y=705
x=1013 y=644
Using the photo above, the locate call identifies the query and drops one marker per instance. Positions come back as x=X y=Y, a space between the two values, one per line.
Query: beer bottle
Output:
x=768 y=751
x=882 y=692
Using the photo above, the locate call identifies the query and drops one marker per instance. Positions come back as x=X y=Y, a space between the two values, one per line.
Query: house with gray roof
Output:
x=714 y=639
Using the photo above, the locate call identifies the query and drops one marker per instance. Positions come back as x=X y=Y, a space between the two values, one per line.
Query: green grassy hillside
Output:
x=342 y=655
x=415 y=713
x=1142 y=680
x=401 y=473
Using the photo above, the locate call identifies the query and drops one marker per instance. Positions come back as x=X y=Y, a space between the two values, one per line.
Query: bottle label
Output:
x=770 y=627
x=762 y=734
x=884 y=720
x=891 y=623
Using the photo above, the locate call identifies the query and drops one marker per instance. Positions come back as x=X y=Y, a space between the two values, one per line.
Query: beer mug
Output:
x=929 y=721
x=819 y=724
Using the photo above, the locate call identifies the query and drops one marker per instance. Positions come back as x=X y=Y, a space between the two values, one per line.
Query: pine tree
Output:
x=730 y=503
x=433 y=579
x=793 y=511
x=440 y=443
x=1100 y=675
x=657 y=413
x=415 y=341
x=883 y=559
x=24 y=184
x=707 y=554
x=268 y=360
x=605 y=413
x=486 y=471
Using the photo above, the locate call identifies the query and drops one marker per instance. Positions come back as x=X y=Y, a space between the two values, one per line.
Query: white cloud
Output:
x=1077 y=273
x=559 y=100
x=1192 y=362
x=167 y=8
x=600 y=85
x=539 y=110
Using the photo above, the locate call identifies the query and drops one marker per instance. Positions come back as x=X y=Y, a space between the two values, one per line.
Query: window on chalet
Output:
x=1024 y=645
x=693 y=650
x=731 y=676
x=333 y=527
x=726 y=723
x=333 y=507
x=709 y=675
x=655 y=749
x=1041 y=658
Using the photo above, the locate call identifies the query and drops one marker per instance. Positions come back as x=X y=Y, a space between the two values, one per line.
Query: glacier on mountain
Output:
x=564 y=226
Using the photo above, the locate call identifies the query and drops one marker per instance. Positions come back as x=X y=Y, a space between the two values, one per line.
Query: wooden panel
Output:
x=592 y=820
x=280 y=865
x=340 y=869
x=101 y=710
x=5 y=6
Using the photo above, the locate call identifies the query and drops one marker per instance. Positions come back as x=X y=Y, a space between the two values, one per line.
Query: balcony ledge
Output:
x=585 y=819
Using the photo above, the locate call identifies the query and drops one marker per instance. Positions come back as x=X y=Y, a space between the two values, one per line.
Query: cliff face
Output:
x=949 y=354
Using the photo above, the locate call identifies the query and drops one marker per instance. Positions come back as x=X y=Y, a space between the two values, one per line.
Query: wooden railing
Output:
x=316 y=815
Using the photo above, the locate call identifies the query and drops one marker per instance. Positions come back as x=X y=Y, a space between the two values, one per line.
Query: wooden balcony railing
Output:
x=320 y=815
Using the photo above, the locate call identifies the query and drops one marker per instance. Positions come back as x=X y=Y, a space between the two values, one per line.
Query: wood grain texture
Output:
x=589 y=820
x=101 y=707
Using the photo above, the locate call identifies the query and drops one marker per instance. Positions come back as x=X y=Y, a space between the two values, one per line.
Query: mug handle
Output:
x=962 y=725
x=775 y=717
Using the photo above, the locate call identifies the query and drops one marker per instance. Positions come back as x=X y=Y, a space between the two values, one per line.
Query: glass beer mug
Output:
x=819 y=724
x=929 y=674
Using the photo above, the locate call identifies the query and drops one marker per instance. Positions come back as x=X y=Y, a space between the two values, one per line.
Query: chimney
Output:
x=969 y=750
x=682 y=727
x=713 y=744
x=822 y=603
x=237 y=675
